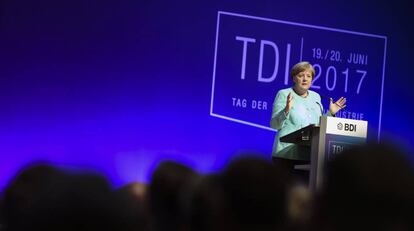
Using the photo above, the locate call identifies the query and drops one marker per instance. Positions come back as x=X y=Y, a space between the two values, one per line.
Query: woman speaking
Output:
x=295 y=108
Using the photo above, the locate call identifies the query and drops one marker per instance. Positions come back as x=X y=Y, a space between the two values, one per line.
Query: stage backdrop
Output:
x=118 y=86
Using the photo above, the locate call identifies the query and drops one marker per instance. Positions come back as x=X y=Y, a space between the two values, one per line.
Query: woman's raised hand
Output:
x=289 y=103
x=338 y=105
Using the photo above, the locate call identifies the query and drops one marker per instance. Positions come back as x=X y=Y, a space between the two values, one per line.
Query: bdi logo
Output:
x=347 y=127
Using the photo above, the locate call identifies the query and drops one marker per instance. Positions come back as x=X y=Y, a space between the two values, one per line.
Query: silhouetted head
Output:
x=167 y=190
x=256 y=194
x=370 y=187
x=43 y=197
x=130 y=207
x=207 y=208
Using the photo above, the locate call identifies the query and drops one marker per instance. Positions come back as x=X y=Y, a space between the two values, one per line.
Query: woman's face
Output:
x=303 y=80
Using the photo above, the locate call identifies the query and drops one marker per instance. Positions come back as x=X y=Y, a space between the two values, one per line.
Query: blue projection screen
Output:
x=253 y=57
x=118 y=86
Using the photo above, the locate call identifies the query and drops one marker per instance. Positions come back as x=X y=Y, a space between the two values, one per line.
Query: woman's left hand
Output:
x=338 y=105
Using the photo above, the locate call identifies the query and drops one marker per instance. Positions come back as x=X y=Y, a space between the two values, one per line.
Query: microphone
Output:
x=320 y=107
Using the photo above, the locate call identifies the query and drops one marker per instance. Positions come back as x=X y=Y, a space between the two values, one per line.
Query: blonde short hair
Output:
x=302 y=66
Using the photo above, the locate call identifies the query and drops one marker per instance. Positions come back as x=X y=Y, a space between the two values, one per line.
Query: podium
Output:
x=330 y=137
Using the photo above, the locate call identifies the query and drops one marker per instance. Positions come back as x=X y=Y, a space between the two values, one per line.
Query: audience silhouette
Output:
x=369 y=187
